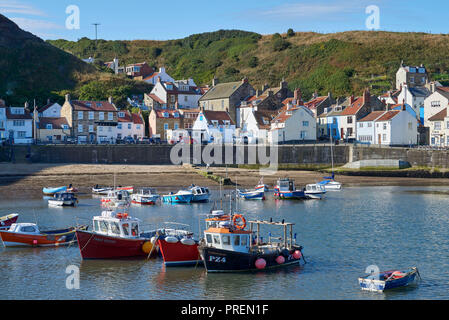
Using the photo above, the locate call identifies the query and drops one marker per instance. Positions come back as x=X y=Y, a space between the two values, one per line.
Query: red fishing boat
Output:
x=8 y=220
x=116 y=235
x=178 y=247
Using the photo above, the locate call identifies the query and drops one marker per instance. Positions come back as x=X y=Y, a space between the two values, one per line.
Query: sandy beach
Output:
x=34 y=177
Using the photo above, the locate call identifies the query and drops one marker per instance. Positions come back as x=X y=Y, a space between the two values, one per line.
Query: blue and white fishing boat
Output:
x=200 y=194
x=385 y=280
x=251 y=194
x=285 y=189
x=262 y=186
x=182 y=196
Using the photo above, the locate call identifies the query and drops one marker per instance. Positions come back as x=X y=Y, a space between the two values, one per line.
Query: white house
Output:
x=255 y=124
x=293 y=124
x=439 y=129
x=3 y=131
x=130 y=125
x=50 y=110
x=17 y=124
x=162 y=75
x=392 y=127
x=213 y=126
x=435 y=103
x=414 y=97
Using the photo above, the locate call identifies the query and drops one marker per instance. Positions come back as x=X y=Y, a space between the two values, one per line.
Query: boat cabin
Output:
x=28 y=228
x=146 y=192
x=222 y=234
x=64 y=196
x=116 y=224
x=286 y=185
x=315 y=188
x=199 y=190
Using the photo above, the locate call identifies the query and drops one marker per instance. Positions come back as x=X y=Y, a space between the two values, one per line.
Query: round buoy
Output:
x=260 y=263
x=171 y=239
x=280 y=259
x=297 y=254
x=147 y=247
x=187 y=241
x=34 y=242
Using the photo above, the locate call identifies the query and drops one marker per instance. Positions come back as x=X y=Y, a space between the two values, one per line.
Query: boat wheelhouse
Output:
x=200 y=194
x=115 y=235
x=285 y=189
x=315 y=191
x=145 y=196
x=63 y=199
x=116 y=198
x=228 y=247
x=102 y=190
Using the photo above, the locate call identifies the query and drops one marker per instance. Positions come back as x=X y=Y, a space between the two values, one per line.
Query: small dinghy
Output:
x=101 y=190
x=251 y=194
x=385 y=280
x=63 y=199
x=8 y=220
x=28 y=234
x=182 y=196
x=49 y=191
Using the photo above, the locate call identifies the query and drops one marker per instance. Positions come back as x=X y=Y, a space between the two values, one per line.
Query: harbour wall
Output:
x=307 y=155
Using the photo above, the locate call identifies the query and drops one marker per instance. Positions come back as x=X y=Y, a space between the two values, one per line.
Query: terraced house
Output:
x=16 y=124
x=226 y=96
x=91 y=121
x=130 y=125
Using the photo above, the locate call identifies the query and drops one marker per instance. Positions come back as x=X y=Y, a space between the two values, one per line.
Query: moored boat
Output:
x=385 y=280
x=8 y=220
x=116 y=198
x=251 y=194
x=330 y=184
x=49 y=191
x=178 y=247
x=101 y=190
x=315 y=191
x=228 y=247
x=62 y=199
x=200 y=194
x=262 y=186
x=182 y=196
x=145 y=196
x=116 y=235
x=28 y=234
x=285 y=189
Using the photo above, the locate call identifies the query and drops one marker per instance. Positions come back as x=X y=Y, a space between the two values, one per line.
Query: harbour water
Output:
x=343 y=234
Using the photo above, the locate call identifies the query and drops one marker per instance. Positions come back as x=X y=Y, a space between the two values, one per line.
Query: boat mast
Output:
x=332 y=154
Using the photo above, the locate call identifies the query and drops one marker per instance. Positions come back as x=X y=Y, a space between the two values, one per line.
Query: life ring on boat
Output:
x=239 y=217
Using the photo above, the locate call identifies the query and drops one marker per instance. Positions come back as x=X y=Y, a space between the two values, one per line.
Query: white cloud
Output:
x=7 y=7
x=39 y=28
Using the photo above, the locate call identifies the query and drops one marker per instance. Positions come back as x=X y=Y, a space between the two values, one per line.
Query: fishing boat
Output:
x=116 y=235
x=285 y=189
x=182 y=196
x=130 y=189
x=385 y=280
x=228 y=247
x=28 y=234
x=145 y=196
x=49 y=191
x=8 y=220
x=101 y=190
x=251 y=194
x=178 y=246
x=116 y=198
x=262 y=186
x=62 y=199
x=200 y=194
x=315 y=191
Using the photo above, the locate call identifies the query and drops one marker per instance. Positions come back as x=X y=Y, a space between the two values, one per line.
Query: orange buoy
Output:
x=236 y=218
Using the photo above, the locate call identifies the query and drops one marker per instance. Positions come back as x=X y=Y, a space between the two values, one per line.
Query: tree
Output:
x=290 y=32
x=253 y=62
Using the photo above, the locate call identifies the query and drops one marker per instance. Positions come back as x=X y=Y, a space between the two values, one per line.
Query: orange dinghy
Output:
x=28 y=234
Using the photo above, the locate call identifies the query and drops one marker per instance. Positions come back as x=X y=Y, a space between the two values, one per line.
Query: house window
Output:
x=349 y=119
x=65 y=127
x=129 y=125
x=100 y=129
x=91 y=128
x=21 y=134
x=384 y=137
x=303 y=134
x=185 y=99
x=172 y=98
x=121 y=114
x=176 y=115
x=435 y=104
x=91 y=115
x=19 y=123
x=437 y=125
x=370 y=124
x=447 y=140
x=80 y=115
x=165 y=126
x=138 y=127
x=119 y=136
x=119 y=126
x=410 y=126
x=412 y=79
x=101 y=116
x=110 y=116
x=385 y=126
x=305 y=123
x=334 y=120
x=80 y=128
x=49 y=126
x=360 y=124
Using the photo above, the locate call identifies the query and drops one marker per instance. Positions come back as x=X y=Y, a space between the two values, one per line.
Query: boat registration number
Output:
x=217 y=259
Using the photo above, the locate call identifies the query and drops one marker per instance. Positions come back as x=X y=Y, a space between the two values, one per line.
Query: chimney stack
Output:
x=67 y=98
x=257 y=93
x=297 y=94
x=110 y=100
x=245 y=80
x=265 y=87
x=26 y=105
x=366 y=96
x=214 y=82
x=351 y=99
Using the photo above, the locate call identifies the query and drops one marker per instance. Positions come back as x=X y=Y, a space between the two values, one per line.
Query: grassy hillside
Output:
x=341 y=63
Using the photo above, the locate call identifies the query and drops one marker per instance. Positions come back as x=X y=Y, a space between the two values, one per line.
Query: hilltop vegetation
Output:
x=341 y=63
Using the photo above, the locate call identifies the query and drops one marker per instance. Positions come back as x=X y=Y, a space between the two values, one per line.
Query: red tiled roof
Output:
x=439 y=116
x=353 y=108
x=443 y=89
x=283 y=115
x=314 y=102
x=170 y=112
x=126 y=116
x=92 y=106
x=137 y=118
x=156 y=98
x=220 y=116
x=56 y=122
x=372 y=116
x=389 y=115
x=151 y=76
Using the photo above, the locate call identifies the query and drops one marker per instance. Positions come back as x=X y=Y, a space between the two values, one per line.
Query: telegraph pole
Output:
x=96 y=24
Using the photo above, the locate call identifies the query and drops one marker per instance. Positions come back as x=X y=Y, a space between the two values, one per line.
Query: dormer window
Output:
x=165 y=114
x=121 y=114
x=176 y=115
x=49 y=126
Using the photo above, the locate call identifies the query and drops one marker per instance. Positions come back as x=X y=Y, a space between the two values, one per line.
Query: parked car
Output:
x=144 y=140
x=155 y=140
x=129 y=140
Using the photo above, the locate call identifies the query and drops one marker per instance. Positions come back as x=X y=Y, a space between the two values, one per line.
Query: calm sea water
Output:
x=391 y=227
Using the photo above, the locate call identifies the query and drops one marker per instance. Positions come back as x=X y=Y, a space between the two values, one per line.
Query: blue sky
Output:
x=174 y=19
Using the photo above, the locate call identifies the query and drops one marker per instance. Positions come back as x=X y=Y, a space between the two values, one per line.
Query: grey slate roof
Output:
x=221 y=90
